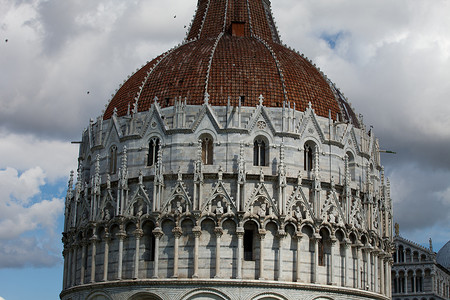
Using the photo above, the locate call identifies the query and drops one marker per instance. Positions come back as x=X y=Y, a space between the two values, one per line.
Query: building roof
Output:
x=443 y=256
x=232 y=51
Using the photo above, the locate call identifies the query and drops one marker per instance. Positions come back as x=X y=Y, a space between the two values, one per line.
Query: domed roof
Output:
x=443 y=256
x=232 y=52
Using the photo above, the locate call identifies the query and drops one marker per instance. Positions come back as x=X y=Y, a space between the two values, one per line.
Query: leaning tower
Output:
x=228 y=167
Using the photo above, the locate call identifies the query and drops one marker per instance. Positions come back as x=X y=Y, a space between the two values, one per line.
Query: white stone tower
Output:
x=228 y=167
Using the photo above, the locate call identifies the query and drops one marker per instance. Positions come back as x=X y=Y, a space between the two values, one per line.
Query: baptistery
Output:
x=229 y=167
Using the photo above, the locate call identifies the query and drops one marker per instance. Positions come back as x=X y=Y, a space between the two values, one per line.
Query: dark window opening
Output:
x=153 y=151
x=259 y=153
x=308 y=158
x=152 y=250
x=113 y=160
x=207 y=150
x=321 y=261
x=248 y=245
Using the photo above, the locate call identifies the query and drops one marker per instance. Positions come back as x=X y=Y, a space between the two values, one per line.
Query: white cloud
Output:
x=23 y=213
x=27 y=151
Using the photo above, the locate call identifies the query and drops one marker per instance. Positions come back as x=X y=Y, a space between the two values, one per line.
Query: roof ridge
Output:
x=415 y=244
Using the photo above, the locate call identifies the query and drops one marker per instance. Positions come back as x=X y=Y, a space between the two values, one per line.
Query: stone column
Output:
x=262 y=235
x=240 y=250
x=177 y=232
x=93 y=241
x=69 y=269
x=299 y=236
x=281 y=235
x=413 y=286
x=65 y=256
x=375 y=272
x=121 y=235
x=83 y=260
x=138 y=233
x=382 y=271
x=106 y=257
x=315 y=240
x=388 y=275
x=218 y=231
x=368 y=270
x=197 y=231
x=347 y=257
x=333 y=246
x=358 y=267
x=157 y=232
x=74 y=264
x=433 y=283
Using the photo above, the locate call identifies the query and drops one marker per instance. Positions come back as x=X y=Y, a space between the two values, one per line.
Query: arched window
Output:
x=148 y=241
x=321 y=254
x=351 y=164
x=113 y=160
x=153 y=149
x=259 y=152
x=250 y=230
x=308 y=156
x=207 y=149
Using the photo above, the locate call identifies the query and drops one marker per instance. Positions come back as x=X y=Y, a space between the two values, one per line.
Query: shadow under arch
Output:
x=98 y=296
x=205 y=294
x=145 y=296
x=269 y=296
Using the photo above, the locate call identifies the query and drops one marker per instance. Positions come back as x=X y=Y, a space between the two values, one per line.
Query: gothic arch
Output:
x=228 y=218
x=207 y=144
x=98 y=296
x=145 y=296
x=269 y=296
x=205 y=294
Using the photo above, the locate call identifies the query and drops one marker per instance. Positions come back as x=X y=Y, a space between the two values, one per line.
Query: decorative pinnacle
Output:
x=347 y=170
x=261 y=100
x=199 y=150
x=220 y=173
x=316 y=162
x=70 y=186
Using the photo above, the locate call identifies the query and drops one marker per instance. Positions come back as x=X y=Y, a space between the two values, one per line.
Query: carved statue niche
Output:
x=219 y=209
x=297 y=211
x=108 y=212
x=177 y=206
x=333 y=215
x=139 y=208
x=261 y=207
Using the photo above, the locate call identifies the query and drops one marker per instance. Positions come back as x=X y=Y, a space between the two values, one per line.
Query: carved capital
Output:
x=138 y=233
x=281 y=234
x=94 y=239
x=262 y=233
x=218 y=231
x=157 y=232
x=177 y=232
x=240 y=232
x=121 y=234
x=197 y=231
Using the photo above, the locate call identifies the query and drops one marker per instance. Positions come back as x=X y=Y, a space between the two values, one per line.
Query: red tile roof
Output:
x=238 y=66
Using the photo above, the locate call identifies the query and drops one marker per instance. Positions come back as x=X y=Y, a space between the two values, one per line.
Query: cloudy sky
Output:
x=390 y=58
